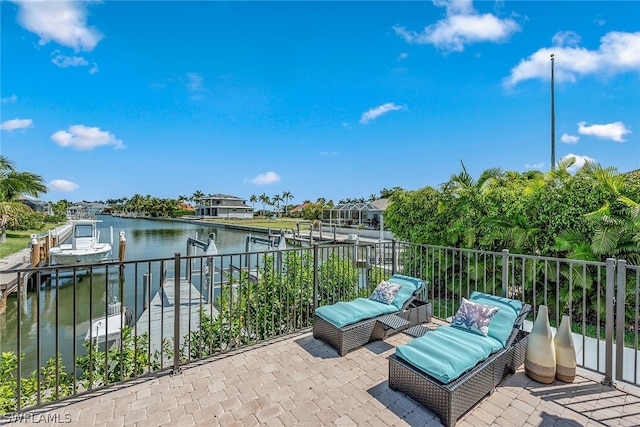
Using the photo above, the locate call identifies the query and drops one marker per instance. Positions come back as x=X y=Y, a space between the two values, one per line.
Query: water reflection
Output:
x=74 y=307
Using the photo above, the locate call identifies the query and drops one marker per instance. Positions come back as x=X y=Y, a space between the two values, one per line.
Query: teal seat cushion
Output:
x=447 y=352
x=409 y=286
x=344 y=313
x=502 y=322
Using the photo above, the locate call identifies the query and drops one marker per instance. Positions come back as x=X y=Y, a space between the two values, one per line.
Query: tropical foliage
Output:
x=592 y=214
x=12 y=185
x=279 y=302
x=148 y=206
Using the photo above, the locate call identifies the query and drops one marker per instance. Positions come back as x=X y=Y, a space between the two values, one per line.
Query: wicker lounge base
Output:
x=450 y=401
x=358 y=334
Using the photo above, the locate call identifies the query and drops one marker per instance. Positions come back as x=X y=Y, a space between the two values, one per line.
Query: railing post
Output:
x=393 y=257
x=19 y=351
x=610 y=300
x=146 y=286
x=315 y=277
x=505 y=272
x=176 y=313
x=621 y=268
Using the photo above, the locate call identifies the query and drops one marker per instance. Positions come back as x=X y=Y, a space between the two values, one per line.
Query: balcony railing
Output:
x=108 y=323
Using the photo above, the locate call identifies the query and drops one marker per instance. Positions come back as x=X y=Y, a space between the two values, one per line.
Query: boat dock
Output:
x=328 y=236
x=28 y=257
x=158 y=319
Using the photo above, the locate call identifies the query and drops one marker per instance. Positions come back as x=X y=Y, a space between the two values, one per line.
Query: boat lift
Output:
x=274 y=241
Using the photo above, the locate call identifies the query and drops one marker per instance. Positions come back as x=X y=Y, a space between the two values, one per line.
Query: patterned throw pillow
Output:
x=474 y=317
x=385 y=292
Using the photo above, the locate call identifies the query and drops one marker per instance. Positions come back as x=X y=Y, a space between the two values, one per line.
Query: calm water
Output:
x=40 y=311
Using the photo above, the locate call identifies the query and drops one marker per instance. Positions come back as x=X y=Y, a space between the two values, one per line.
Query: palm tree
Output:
x=617 y=234
x=13 y=184
x=264 y=199
x=286 y=195
x=253 y=199
x=276 y=200
x=465 y=206
x=197 y=197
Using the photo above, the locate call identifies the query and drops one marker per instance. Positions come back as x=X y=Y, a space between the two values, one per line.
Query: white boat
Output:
x=85 y=246
x=109 y=328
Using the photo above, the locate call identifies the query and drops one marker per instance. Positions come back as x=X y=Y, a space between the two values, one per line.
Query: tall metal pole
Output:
x=553 y=121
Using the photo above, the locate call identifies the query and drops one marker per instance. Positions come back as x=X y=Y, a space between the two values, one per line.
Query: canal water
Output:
x=41 y=311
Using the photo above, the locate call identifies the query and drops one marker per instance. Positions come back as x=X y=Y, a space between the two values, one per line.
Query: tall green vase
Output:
x=540 y=359
x=565 y=352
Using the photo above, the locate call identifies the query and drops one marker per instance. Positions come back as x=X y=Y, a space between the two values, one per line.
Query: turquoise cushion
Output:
x=345 y=313
x=447 y=352
x=502 y=323
x=409 y=286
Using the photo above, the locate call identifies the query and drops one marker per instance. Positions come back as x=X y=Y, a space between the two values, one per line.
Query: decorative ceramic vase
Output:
x=540 y=359
x=565 y=352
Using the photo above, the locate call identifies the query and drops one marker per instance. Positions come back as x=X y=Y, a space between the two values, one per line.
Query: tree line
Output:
x=591 y=214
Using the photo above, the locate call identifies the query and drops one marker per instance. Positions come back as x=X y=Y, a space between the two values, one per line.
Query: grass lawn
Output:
x=16 y=241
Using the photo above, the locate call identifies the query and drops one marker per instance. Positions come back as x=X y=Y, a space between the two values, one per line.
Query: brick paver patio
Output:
x=300 y=381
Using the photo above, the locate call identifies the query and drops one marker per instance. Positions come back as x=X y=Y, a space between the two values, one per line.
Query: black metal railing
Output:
x=88 y=326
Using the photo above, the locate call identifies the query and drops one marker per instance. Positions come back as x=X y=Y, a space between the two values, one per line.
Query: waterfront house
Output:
x=80 y=209
x=36 y=205
x=223 y=206
x=367 y=213
x=298 y=211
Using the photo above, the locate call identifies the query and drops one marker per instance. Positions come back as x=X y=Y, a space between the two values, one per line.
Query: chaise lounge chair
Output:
x=449 y=370
x=349 y=325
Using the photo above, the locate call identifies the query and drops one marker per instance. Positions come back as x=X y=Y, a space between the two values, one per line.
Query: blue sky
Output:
x=321 y=99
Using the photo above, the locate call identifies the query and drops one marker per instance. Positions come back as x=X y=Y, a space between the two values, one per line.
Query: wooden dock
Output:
x=158 y=319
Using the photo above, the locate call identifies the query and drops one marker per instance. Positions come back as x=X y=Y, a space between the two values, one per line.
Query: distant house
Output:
x=86 y=209
x=36 y=205
x=186 y=207
x=367 y=213
x=223 y=206
x=299 y=210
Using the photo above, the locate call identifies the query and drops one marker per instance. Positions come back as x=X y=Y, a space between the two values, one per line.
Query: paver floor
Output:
x=301 y=381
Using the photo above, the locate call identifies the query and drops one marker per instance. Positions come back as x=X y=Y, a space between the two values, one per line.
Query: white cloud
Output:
x=462 y=26
x=265 y=178
x=535 y=166
x=10 y=99
x=64 y=61
x=85 y=138
x=194 y=82
x=376 y=112
x=613 y=131
x=403 y=56
x=94 y=69
x=618 y=53
x=11 y=125
x=62 y=185
x=580 y=161
x=567 y=38
x=569 y=139
x=63 y=21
